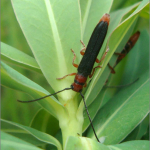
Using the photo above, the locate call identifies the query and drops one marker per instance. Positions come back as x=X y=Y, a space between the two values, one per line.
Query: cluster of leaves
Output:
x=51 y=28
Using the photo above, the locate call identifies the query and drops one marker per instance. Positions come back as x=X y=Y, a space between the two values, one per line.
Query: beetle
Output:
x=127 y=48
x=129 y=45
x=85 y=68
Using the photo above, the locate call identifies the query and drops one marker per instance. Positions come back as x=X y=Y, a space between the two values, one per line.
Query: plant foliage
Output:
x=51 y=29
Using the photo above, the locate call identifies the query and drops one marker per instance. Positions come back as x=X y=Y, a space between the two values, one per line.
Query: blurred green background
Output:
x=12 y=35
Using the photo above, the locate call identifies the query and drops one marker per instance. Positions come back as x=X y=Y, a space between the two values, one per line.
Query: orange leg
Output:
x=98 y=61
x=94 y=71
x=112 y=69
x=72 y=74
x=121 y=56
x=83 y=49
x=75 y=65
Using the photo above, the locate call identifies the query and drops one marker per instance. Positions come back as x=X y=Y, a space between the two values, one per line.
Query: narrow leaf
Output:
x=10 y=142
x=40 y=136
x=123 y=113
x=132 y=145
x=14 y=56
x=51 y=28
x=13 y=79
x=45 y=122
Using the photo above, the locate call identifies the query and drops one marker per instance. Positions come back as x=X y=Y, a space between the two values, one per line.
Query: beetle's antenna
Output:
x=89 y=117
x=120 y=86
x=43 y=97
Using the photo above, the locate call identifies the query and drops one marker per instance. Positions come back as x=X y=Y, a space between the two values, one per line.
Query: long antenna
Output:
x=89 y=117
x=120 y=86
x=43 y=97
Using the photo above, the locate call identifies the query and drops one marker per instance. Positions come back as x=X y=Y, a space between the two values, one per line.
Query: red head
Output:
x=105 y=18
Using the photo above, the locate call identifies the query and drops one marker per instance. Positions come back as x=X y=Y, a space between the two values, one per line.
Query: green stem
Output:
x=71 y=123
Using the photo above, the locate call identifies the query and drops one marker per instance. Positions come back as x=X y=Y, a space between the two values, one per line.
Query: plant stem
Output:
x=71 y=124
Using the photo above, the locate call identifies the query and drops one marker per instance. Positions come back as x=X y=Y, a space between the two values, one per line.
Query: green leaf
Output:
x=146 y=136
x=81 y=143
x=15 y=131
x=14 y=56
x=13 y=79
x=143 y=21
x=91 y=13
x=122 y=4
x=14 y=128
x=143 y=127
x=51 y=29
x=19 y=113
x=132 y=145
x=50 y=35
x=10 y=142
x=123 y=113
x=45 y=122
x=145 y=13
x=139 y=131
x=10 y=31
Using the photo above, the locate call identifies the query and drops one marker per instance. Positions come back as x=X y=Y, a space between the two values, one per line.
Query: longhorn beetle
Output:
x=86 y=65
x=129 y=45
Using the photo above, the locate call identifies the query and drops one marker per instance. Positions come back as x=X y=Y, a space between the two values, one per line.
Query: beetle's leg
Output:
x=71 y=74
x=112 y=69
x=83 y=49
x=106 y=82
x=82 y=43
x=75 y=65
x=120 y=55
x=98 y=61
x=94 y=71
